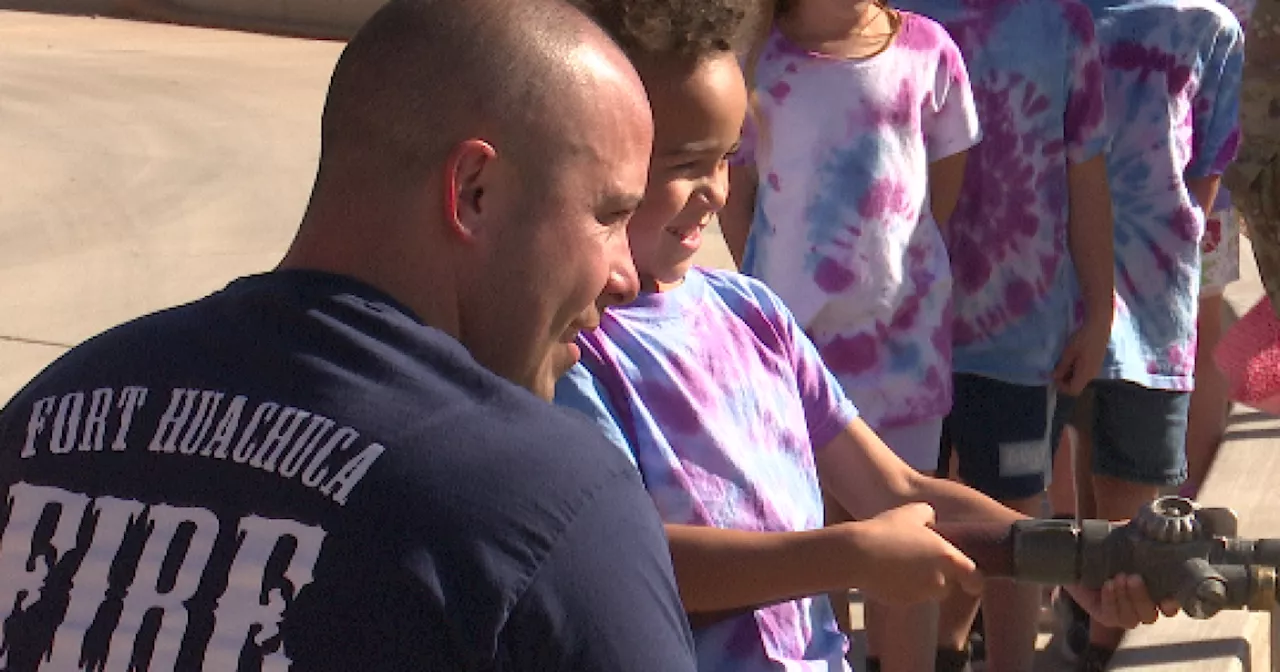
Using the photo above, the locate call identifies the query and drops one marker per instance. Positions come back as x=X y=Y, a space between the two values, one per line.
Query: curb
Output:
x=311 y=19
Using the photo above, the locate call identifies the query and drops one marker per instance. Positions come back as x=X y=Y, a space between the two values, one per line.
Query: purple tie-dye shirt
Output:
x=1037 y=81
x=843 y=231
x=1173 y=72
x=721 y=400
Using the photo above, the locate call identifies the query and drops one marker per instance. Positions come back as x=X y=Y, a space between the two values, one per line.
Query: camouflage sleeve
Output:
x=1254 y=178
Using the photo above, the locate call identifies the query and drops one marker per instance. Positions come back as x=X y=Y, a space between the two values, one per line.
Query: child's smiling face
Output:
x=698 y=113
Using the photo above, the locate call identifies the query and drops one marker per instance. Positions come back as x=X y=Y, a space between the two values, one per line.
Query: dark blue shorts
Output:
x=1004 y=436
x=1139 y=433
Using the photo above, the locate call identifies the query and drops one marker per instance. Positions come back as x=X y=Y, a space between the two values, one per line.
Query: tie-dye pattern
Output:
x=1173 y=88
x=842 y=230
x=1242 y=10
x=721 y=400
x=1037 y=81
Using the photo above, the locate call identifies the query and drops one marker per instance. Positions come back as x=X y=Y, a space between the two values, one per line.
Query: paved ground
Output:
x=143 y=166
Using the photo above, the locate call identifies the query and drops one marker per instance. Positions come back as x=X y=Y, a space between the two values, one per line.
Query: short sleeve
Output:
x=950 y=118
x=583 y=392
x=1085 y=124
x=1216 y=106
x=827 y=409
x=605 y=599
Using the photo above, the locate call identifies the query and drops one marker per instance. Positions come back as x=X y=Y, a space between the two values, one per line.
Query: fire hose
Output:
x=1180 y=549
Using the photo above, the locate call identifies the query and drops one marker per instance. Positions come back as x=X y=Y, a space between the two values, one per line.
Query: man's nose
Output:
x=623 y=284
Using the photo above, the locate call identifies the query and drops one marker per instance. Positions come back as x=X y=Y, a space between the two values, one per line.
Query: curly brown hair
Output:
x=691 y=29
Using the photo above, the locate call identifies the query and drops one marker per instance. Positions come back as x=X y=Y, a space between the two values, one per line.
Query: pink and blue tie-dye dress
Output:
x=1173 y=72
x=720 y=399
x=1037 y=81
x=843 y=231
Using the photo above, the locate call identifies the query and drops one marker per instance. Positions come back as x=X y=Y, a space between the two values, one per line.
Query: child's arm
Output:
x=894 y=556
x=1204 y=190
x=1090 y=230
x=1091 y=240
x=739 y=209
x=946 y=177
x=864 y=477
x=719 y=570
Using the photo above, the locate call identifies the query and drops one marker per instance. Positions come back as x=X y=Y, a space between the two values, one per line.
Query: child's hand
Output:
x=1082 y=357
x=906 y=562
x=1123 y=602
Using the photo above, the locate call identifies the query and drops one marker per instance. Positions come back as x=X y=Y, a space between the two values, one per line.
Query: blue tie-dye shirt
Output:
x=720 y=399
x=843 y=231
x=1037 y=81
x=1173 y=90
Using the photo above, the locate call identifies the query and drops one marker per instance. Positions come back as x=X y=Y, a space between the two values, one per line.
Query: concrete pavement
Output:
x=144 y=165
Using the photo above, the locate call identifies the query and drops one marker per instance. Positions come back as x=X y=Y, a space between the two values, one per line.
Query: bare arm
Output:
x=1204 y=190
x=1091 y=236
x=863 y=476
x=739 y=210
x=946 y=177
x=866 y=478
x=1091 y=240
x=718 y=569
x=723 y=569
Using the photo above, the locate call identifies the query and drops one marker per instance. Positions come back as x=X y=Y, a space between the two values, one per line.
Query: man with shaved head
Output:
x=349 y=463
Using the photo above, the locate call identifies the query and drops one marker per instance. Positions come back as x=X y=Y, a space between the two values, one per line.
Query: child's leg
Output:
x=1063 y=488
x=902 y=638
x=905 y=638
x=1003 y=434
x=1139 y=441
x=1207 y=414
x=1207 y=417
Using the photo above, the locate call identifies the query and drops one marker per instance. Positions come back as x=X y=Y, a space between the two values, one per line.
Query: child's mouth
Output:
x=690 y=236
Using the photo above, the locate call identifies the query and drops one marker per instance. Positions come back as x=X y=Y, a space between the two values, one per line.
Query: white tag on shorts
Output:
x=1024 y=458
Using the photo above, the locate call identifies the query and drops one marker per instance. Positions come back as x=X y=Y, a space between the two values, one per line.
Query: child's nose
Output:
x=717 y=188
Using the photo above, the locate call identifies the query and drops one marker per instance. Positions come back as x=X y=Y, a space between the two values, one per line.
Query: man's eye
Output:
x=619 y=218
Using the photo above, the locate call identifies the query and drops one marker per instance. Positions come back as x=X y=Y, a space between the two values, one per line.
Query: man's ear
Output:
x=468 y=176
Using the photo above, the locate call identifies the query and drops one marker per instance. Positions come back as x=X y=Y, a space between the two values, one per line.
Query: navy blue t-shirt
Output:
x=294 y=473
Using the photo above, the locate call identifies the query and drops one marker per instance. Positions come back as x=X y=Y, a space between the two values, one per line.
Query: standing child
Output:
x=1173 y=87
x=1219 y=267
x=1033 y=223
x=865 y=114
